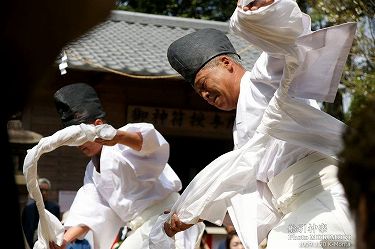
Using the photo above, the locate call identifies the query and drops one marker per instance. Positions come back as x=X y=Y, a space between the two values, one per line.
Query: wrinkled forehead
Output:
x=205 y=73
x=200 y=77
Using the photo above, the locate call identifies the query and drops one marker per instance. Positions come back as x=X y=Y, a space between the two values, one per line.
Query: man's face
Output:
x=217 y=85
x=44 y=188
x=90 y=149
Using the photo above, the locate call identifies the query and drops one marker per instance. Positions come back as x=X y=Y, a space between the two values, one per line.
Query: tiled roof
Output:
x=137 y=43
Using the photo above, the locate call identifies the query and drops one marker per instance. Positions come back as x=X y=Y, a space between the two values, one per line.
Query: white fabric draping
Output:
x=49 y=227
x=303 y=125
x=280 y=30
x=207 y=196
x=313 y=61
x=127 y=190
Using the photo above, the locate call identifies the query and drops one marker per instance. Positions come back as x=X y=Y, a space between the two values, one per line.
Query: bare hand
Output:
x=175 y=226
x=111 y=142
x=255 y=4
x=53 y=245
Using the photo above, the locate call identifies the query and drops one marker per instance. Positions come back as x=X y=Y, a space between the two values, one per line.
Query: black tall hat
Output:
x=78 y=103
x=188 y=54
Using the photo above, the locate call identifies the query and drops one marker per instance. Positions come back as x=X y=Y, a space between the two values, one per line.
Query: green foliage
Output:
x=359 y=74
x=362 y=88
x=219 y=10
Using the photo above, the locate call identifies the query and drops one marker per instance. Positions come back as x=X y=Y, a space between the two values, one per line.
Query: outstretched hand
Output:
x=133 y=140
x=175 y=225
x=254 y=5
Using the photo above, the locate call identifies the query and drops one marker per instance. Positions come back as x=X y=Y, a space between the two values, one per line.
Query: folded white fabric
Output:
x=49 y=227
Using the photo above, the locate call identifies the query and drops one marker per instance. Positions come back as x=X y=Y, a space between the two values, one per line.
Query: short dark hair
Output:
x=215 y=61
x=230 y=236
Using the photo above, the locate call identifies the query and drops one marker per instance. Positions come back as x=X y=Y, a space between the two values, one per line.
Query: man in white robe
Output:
x=127 y=182
x=300 y=201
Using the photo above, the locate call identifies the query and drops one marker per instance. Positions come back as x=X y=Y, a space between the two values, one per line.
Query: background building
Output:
x=124 y=59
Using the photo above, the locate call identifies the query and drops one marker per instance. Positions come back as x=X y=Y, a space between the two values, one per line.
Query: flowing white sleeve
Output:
x=148 y=163
x=313 y=65
x=208 y=195
x=91 y=210
x=300 y=124
x=130 y=180
x=273 y=28
x=311 y=62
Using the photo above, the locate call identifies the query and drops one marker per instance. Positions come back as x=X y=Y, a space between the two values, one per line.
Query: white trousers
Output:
x=315 y=210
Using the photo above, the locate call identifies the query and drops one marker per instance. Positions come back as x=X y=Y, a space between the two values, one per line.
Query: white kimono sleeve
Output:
x=313 y=66
x=148 y=163
x=128 y=177
x=313 y=61
x=91 y=210
x=274 y=28
x=208 y=194
x=298 y=123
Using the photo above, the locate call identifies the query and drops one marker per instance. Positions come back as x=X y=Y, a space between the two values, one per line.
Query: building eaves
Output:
x=133 y=43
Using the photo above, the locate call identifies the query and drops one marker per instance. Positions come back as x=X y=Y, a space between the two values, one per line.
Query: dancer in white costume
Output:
x=281 y=181
x=128 y=182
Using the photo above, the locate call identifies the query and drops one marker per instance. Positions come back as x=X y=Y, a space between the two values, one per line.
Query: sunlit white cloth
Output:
x=207 y=196
x=129 y=184
x=321 y=56
x=312 y=64
x=49 y=227
x=315 y=210
x=188 y=239
x=312 y=61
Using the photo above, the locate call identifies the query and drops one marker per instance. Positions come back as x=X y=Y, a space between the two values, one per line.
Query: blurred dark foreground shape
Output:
x=32 y=35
